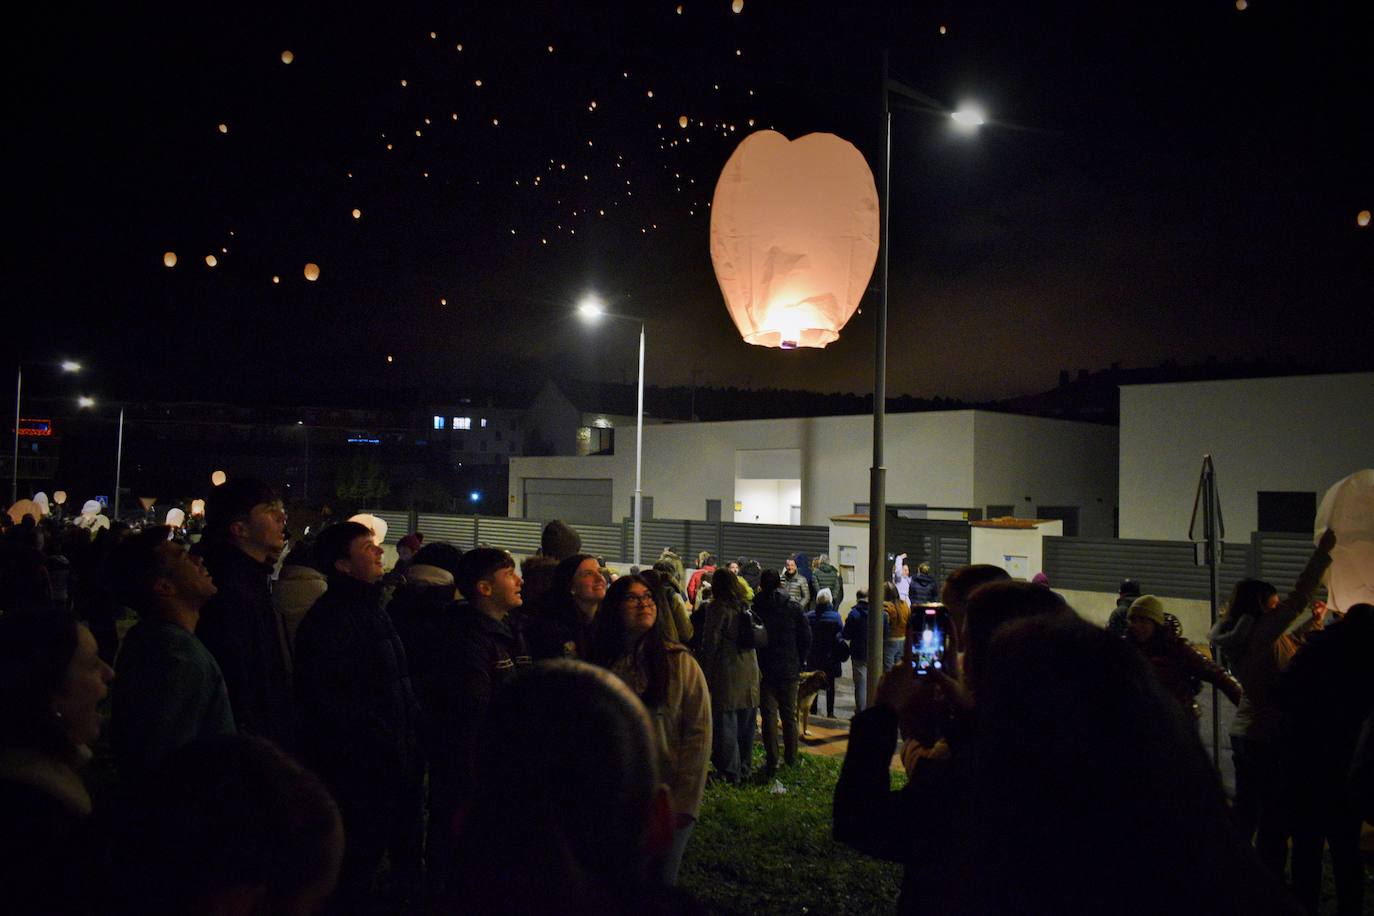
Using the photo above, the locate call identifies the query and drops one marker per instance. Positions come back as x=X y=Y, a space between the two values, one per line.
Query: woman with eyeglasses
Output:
x=627 y=637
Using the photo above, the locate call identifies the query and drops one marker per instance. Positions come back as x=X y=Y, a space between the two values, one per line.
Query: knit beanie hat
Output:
x=1129 y=589
x=559 y=540
x=1149 y=607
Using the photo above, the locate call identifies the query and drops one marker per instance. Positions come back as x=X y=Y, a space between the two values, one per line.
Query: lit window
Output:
x=438 y=422
x=484 y=422
x=462 y=422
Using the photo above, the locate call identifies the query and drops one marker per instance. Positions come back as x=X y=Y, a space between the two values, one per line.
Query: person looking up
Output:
x=559 y=629
x=732 y=673
x=627 y=638
x=780 y=664
x=170 y=691
x=245 y=532
x=358 y=711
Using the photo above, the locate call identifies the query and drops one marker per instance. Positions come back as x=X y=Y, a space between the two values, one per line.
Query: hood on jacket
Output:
x=424 y=575
x=1232 y=632
x=293 y=573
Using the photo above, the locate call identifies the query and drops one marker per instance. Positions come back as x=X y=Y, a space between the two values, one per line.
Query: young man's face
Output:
x=502 y=589
x=364 y=560
x=184 y=574
x=265 y=529
x=791 y=566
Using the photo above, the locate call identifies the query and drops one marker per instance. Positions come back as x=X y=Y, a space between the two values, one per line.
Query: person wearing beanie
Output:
x=245 y=533
x=1127 y=592
x=1181 y=669
x=559 y=541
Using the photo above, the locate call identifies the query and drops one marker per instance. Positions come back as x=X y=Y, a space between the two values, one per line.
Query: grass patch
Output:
x=755 y=851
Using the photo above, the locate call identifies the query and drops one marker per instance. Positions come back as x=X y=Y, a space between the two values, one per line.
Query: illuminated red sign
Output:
x=35 y=427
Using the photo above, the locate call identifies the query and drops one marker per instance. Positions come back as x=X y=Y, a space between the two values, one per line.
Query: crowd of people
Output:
x=304 y=731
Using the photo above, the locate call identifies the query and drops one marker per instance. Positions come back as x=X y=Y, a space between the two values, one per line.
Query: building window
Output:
x=462 y=422
x=484 y=422
x=438 y=422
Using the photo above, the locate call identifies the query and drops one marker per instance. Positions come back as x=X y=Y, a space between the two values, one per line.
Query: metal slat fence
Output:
x=1164 y=568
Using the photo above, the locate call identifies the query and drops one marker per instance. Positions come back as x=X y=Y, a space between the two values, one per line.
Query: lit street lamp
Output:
x=86 y=402
x=592 y=310
x=66 y=365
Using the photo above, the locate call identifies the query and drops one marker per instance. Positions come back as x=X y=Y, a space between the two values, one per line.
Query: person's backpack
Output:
x=752 y=633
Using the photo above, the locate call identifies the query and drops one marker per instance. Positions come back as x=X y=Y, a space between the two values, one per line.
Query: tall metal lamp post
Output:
x=66 y=365
x=592 y=310
x=85 y=402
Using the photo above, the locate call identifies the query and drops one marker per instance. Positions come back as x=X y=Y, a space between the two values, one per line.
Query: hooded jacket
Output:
x=298 y=588
x=789 y=636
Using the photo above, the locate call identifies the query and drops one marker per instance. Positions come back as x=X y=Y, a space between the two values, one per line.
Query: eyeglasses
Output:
x=639 y=600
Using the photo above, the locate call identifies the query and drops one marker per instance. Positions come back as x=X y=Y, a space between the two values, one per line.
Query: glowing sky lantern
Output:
x=287 y=57
x=25 y=507
x=794 y=237
x=1348 y=509
x=224 y=128
x=374 y=524
x=357 y=214
x=60 y=497
x=197 y=507
x=737 y=6
x=40 y=499
x=276 y=279
x=312 y=271
x=682 y=121
x=218 y=478
x=211 y=260
x=90 y=507
x=175 y=518
x=1362 y=218
x=169 y=259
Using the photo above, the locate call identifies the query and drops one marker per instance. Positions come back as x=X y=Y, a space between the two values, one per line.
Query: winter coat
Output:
x=1116 y=621
x=825 y=641
x=897 y=616
x=1181 y=669
x=358 y=708
x=245 y=634
x=789 y=636
x=1260 y=648
x=682 y=725
x=798 y=588
x=296 y=591
x=732 y=673
x=677 y=624
x=804 y=568
x=923 y=588
x=694 y=583
x=856 y=631
x=827 y=576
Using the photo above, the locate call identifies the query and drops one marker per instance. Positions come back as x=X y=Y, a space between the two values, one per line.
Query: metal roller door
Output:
x=575 y=501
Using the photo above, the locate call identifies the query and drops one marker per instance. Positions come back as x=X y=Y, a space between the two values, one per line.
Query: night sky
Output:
x=1170 y=180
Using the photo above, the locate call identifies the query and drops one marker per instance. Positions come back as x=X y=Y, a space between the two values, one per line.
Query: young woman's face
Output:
x=88 y=680
x=640 y=610
x=588 y=585
x=1141 y=628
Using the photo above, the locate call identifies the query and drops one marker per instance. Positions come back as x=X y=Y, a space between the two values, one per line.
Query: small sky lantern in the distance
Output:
x=737 y=6
x=211 y=260
x=312 y=271
x=197 y=507
x=682 y=121
x=169 y=259
x=1362 y=218
x=794 y=237
x=357 y=214
x=287 y=57
x=224 y=128
x=218 y=478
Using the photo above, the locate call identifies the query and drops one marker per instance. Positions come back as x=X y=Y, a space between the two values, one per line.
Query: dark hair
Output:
x=769 y=580
x=994 y=604
x=1250 y=596
x=134 y=565
x=725 y=586
x=479 y=564
x=233 y=501
x=890 y=592
x=221 y=812
x=1083 y=761
x=444 y=556
x=36 y=649
x=666 y=569
x=566 y=777
x=334 y=543
x=961 y=583
x=609 y=636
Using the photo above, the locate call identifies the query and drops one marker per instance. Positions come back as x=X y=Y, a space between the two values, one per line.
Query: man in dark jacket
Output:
x=856 y=634
x=923 y=587
x=789 y=640
x=827 y=576
x=1125 y=597
x=358 y=711
x=245 y=532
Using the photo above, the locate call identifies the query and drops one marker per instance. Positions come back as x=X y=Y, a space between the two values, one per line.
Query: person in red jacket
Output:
x=1180 y=667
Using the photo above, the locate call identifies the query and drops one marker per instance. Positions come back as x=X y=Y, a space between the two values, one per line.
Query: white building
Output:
x=807 y=470
x=1277 y=444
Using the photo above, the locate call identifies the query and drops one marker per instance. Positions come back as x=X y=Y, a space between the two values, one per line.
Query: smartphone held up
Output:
x=927 y=635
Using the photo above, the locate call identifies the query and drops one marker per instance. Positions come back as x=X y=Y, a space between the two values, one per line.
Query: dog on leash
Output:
x=810 y=684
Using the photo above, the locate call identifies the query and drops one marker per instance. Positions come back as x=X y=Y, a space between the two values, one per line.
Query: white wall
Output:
x=1054 y=462
x=997 y=546
x=766 y=501
x=1300 y=433
x=620 y=468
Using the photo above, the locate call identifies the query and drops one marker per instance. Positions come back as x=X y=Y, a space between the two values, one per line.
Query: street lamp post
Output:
x=67 y=366
x=966 y=119
x=85 y=402
x=591 y=310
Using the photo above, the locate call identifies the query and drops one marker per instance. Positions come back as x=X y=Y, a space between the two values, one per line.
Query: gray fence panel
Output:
x=951 y=552
x=518 y=535
x=770 y=544
x=656 y=534
x=1280 y=558
x=397 y=523
x=603 y=541
x=458 y=530
x=1164 y=568
x=701 y=536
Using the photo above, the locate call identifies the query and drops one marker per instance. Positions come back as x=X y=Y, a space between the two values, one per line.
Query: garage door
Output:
x=579 y=501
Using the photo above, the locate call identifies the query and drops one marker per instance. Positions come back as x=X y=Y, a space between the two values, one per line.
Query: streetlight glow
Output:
x=969 y=117
x=591 y=309
x=70 y=366
x=85 y=401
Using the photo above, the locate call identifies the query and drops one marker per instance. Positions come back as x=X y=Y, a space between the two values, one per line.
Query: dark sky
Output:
x=1163 y=180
